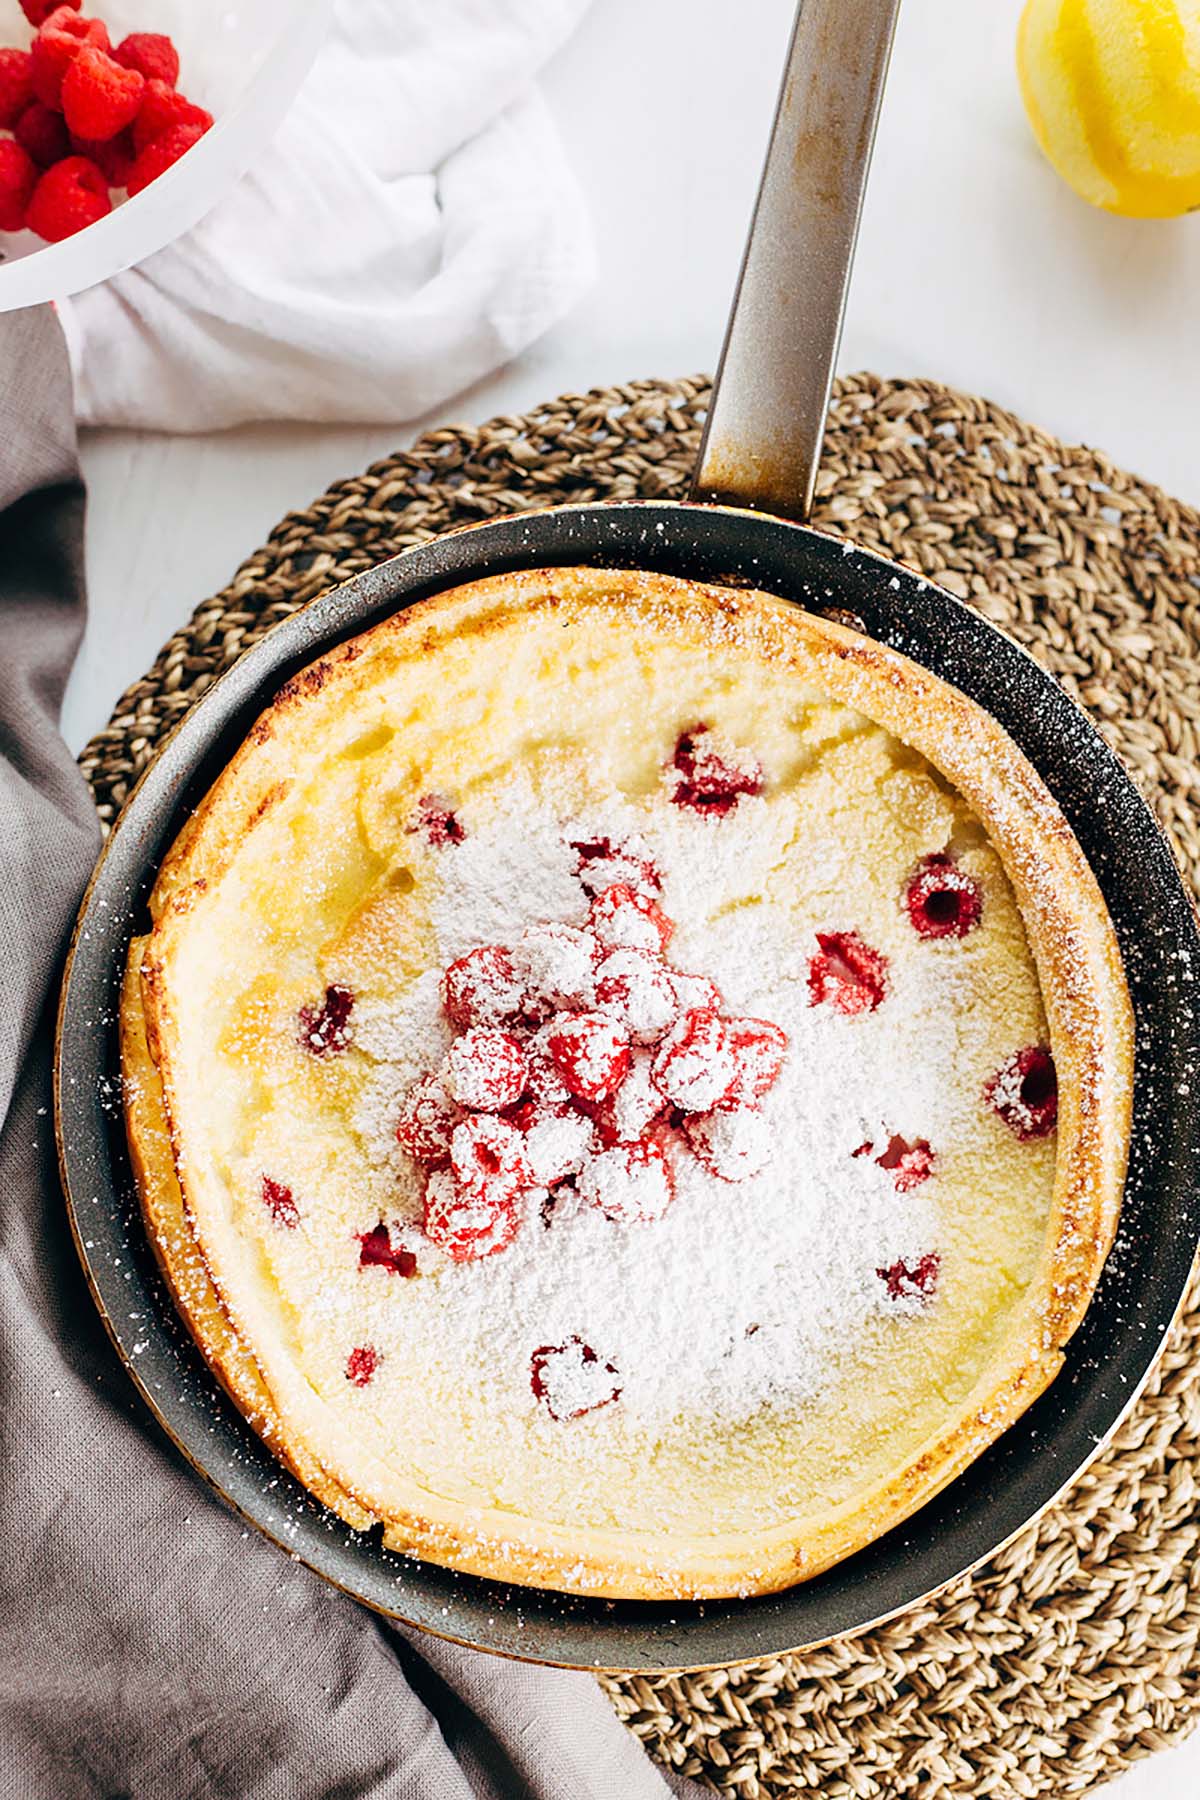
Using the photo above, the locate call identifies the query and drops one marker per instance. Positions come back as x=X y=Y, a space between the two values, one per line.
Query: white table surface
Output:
x=976 y=265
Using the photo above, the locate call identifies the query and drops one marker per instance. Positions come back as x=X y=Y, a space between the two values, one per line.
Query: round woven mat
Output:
x=1076 y=1650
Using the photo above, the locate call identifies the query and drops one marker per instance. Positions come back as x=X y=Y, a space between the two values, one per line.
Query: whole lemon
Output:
x=1112 y=89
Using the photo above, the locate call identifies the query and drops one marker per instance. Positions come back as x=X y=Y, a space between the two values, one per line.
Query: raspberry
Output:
x=151 y=54
x=605 y=862
x=846 y=973
x=710 y=776
x=376 y=1251
x=909 y=1164
x=733 y=1145
x=546 y=1087
x=1025 y=1092
x=637 y=991
x=325 y=1030
x=623 y=919
x=68 y=197
x=361 y=1365
x=159 y=155
x=693 y=991
x=163 y=109
x=487 y=1159
x=114 y=159
x=99 y=97
x=694 y=1067
x=486 y=1069
x=437 y=822
x=482 y=988
x=758 y=1049
x=38 y=11
x=18 y=179
x=632 y=1184
x=556 y=1145
x=570 y=1379
x=912 y=1281
x=280 y=1202
x=62 y=36
x=428 y=1115
x=526 y=1113
x=635 y=1106
x=590 y=1052
x=468 y=1225
x=942 y=899
x=555 y=964
x=16 y=84
x=41 y=131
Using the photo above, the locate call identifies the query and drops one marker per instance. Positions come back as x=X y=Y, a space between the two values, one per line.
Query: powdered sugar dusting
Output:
x=409 y=1032
x=729 y=1297
x=571 y=1379
x=516 y=870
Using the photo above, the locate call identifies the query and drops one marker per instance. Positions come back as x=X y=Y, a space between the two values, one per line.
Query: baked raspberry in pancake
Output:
x=629 y=1083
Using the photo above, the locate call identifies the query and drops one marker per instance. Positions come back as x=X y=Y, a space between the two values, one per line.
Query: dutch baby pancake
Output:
x=628 y=1083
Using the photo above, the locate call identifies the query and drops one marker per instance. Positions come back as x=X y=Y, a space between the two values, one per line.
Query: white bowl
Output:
x=242 y=59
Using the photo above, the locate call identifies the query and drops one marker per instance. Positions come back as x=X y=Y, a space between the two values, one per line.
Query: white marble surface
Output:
x=975 y=265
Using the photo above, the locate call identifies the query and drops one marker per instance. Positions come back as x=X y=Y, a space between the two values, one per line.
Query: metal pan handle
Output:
x=762 y=439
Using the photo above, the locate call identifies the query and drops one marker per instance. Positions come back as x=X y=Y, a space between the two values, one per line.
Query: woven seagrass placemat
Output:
x=1076 y=1650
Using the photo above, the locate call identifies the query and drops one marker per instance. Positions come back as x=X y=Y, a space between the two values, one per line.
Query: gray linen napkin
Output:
x=149 y=1648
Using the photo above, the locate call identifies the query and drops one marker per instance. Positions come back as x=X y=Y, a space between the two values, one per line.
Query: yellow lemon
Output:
x=1112 y=89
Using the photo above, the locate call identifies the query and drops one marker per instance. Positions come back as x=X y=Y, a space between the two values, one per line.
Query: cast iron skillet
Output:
x=1144 y=1281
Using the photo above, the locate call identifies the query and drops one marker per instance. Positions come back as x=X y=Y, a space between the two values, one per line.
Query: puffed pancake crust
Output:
x=629 y=1083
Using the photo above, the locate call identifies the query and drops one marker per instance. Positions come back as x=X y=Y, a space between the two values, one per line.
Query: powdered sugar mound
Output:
x=515 y=870
x=708 y=864
x=748 y=952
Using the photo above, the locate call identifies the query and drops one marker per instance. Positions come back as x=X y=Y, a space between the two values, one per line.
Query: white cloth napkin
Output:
x=413 y=226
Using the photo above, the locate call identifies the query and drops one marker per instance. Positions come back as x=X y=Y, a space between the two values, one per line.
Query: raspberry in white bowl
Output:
x=194 y=129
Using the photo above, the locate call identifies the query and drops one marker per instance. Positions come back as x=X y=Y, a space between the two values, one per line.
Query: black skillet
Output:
x=764 y=435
